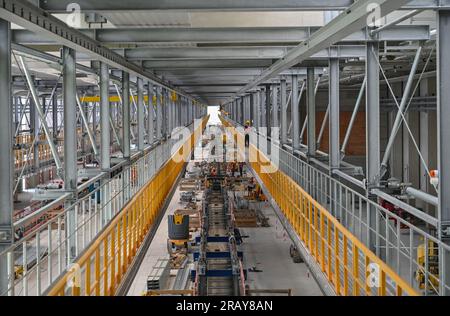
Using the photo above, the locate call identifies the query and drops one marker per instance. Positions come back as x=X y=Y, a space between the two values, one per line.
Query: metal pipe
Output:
x=423 y=196
x=396 y=21
x=353 y=118
x=406 y=207
x=37 y=103
x=399 y=116
x=349 y=178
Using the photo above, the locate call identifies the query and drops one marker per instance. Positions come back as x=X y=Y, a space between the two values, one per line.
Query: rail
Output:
x=101 y=268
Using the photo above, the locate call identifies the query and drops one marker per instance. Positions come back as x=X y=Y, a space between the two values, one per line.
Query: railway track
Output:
x=219 y=269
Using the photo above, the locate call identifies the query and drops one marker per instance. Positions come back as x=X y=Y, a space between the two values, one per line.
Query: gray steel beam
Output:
x=349 y=21
x=6 y=158
x=126 y=115
x=85 y=121
x=32 y=18
x=37 y=106
x=334 y=120
x=283 y=110
x=443 y=113
x=70 y=146
x=158 y=113
x=275 y=108
x=353 y=118
x=280 y=36
x=424 y=143
x=226 y=53
x=151 y=116
x=295 y=114
x=372 y=115
x=140 y=113
x=60 y=6
x=105 y=130
x=372 y=138
x=311 y=112
x=400 y=112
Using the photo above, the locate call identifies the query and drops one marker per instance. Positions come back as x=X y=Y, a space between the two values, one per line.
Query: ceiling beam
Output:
x=32 y=18
x=351 y=20
x=59 y=6
x=282 y=35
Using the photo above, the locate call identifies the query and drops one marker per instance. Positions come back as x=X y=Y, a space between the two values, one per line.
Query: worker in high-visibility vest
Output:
x=247 y=130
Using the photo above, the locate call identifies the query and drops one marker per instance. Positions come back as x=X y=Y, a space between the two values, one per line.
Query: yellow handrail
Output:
x=101 y=268
x=321 y=233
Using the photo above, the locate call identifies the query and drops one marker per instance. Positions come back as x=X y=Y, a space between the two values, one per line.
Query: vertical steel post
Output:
x=372 y=134
x=105 y=131
x=126 y=114
x=423 y=143
x=150 y=118
x=140 y=113
x=334 y=151
x=275 y=107
x=6 y=158
x=443 y=113
x=311 y=111
x=70 y=146
x=295 y=115
x=55 y=117
x=283 y=110
x=158 y=113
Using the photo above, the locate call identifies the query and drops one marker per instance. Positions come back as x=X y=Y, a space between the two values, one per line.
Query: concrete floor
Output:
x=263 y=245
x=267 y=249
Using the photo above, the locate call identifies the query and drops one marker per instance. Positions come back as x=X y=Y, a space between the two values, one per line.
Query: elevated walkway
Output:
x=341 y=263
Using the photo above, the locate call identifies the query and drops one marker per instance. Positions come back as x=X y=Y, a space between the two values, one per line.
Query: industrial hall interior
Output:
x=253 y=148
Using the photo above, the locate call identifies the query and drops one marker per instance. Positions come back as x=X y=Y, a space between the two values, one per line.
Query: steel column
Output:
x=334 y=121
x=105 y=131
x=158 y=113
x=283 y=110
x=423 y=143
x=126 y=114
x=140 y=113
x=6 y=158
x=150 y=117
x=70 y=145
x=372 y=136
x=295 y=114
x=275 y=107
x=443 y=113
x=311 y=111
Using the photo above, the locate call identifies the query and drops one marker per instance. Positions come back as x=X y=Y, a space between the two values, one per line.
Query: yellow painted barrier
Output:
x=101 y=267
x=337 y=251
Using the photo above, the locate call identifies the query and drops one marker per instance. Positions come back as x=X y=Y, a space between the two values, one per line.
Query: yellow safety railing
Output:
x=349 y=265
x=101 y=268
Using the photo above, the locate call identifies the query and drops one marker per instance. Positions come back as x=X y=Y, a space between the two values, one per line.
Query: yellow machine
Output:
x=433 y=266
x=178 y=231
